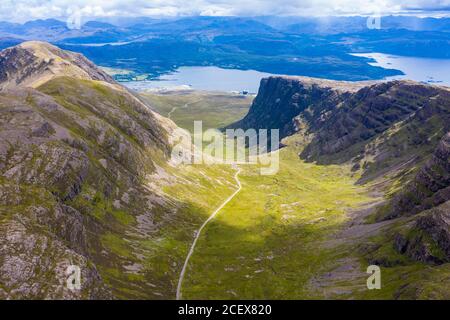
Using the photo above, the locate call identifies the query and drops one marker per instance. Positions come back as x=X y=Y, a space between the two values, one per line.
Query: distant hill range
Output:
x=280 y=45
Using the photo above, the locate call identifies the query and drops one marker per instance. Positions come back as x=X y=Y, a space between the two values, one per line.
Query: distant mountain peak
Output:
x=99 y=25
x=33 y=63
x=45 y=23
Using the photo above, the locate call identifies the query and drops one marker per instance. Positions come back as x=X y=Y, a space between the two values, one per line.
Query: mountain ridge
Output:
x=33 y=63
x=77 y=156
x=394 y=135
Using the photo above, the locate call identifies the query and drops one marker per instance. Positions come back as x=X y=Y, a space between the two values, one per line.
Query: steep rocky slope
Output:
x=282 y=101
x=377 y=126
x=382 y=127
x=429 y=238
x=429 y=188
x=427 y=197
x=393 y=134
x=33 y=63
x=77 y=153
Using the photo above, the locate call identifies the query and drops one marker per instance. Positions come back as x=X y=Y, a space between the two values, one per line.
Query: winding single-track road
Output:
x=197 y=236
x=169 y=115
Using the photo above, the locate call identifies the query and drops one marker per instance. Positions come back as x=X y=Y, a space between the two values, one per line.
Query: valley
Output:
x=317 y=215
x=86 y=178
x=266 y=243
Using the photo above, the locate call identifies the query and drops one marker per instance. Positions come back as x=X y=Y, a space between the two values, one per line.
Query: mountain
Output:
x=34 y=63
x=49 y=29
x=281 y=99
x=76 y=155
x=395 y=137
x=363 y=128
x=427 y=195
x=47 y=23
x=206 y=25
x=98 y=25
x=278 y=54
x=353 y=121
x=335 y=25
x=428 y=44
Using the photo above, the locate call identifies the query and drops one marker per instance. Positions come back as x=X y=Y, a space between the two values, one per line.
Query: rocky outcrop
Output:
x=429 y=239
x=429 y=188
x=282 y=102
x=380 y=128
x=39 y=240
x=367 y=114
x=437 y=225
x=33 y=63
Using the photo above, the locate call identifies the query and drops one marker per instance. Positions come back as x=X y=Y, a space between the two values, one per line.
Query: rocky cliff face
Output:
x=367 y=113
x=391 y=133
x=76 y=151
x=378 y=127
x=429 y=188
x=427 y=198
x=429 y=239
x=283 y=102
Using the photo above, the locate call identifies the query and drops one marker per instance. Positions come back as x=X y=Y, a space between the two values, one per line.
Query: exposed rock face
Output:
x=38 y=242
x=368 y=113
x=429 y=188
x=429 y=239
x=75 y=152
x=33 y=63
x=281 y=100
x=389 y=131
x=437 y=225
x=377 y=126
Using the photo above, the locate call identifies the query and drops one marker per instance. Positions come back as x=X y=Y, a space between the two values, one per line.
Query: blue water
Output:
x=434 y=71
x=204 y=78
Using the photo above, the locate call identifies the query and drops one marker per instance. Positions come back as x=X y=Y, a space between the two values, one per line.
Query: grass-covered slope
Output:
x=81 y=152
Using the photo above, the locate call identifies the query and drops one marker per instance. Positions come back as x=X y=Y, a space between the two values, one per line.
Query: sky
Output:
x=24 y=10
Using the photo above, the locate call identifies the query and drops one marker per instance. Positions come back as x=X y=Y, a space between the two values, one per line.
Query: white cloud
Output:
x=23 y=10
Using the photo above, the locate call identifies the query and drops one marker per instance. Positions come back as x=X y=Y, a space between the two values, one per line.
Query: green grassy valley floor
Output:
x=284 y=236
x=215 y=109
x=266 y=243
